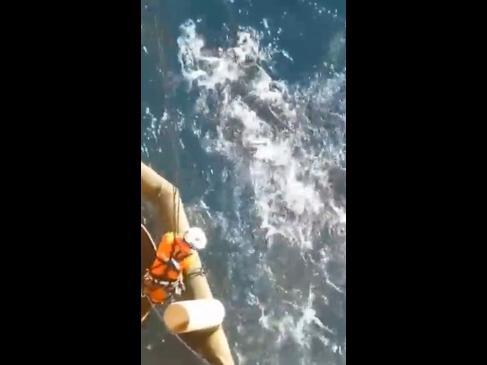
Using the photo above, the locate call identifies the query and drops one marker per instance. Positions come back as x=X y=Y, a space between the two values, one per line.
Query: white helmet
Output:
x=196 y=237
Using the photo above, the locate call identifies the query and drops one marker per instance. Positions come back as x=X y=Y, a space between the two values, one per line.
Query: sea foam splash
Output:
x=285 y=148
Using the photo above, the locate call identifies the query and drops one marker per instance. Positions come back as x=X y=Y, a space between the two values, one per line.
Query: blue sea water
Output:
x=243 y=107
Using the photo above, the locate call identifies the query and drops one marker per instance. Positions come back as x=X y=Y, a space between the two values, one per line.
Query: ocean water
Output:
x=243 y=107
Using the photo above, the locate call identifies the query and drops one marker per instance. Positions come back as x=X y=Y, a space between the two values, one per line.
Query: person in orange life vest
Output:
x=174 y=257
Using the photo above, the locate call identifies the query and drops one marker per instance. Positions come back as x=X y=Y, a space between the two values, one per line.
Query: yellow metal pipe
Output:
x=211 y=344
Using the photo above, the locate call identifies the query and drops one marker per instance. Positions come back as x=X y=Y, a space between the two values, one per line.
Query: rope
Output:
x=177 y=206
x=201 y=271
x=174 y=136
x=176 y=194
x=154 y=309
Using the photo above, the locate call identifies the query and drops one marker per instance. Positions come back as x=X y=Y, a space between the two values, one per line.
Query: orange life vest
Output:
x=164 y=277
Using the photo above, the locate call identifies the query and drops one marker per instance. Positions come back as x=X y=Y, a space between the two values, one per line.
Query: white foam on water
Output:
x=283 y=142
x=153 y=129
x=323 y=10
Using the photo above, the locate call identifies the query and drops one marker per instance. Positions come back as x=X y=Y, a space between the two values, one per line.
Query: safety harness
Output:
x=171 y=279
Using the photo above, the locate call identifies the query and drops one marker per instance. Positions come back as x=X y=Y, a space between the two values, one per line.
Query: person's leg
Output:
x=156 y=294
